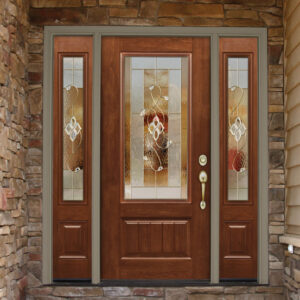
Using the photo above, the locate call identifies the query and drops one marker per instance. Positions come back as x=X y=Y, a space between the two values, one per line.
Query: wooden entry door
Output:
x=155 y=124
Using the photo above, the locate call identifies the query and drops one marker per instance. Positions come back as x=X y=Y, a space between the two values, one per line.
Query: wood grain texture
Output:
x=76 y=213
x=243 y=265
x=110 y=158
x=159 y=239
x=155 y=238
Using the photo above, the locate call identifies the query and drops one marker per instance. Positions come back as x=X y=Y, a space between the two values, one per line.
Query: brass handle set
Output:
x=203 y=179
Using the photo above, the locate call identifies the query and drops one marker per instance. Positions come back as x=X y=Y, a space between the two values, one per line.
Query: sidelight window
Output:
x=237 y=135
x=73 y=129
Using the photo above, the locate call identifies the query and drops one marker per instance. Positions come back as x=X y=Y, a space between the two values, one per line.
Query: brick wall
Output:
x=14 y=142
x=250 y=13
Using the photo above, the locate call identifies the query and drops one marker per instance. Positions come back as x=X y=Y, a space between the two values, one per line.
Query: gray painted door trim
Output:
x=214 y=33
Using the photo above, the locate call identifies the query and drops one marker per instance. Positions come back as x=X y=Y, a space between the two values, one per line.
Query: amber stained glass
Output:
x=156 y=94
x=237 y=156
x=73 y=150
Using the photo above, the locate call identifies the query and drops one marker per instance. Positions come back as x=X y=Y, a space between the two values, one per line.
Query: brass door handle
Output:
x=203 y=180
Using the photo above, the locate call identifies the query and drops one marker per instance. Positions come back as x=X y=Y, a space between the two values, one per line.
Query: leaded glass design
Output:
x=237 y=155
x=73 y=151
x=155 y=90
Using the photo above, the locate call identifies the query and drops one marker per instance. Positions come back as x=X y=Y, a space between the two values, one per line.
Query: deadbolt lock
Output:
x=202 y=160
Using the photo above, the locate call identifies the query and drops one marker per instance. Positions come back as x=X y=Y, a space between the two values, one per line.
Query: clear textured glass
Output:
x=155 y=90
x=237 y=155
x=73 y=151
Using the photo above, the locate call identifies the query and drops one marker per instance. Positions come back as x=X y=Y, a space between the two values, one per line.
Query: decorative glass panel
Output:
x=73 y=150
x=156 y=109
x=238 y=128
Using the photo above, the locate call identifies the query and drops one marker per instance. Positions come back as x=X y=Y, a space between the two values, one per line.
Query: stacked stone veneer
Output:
x=14 y=142
x=291 y=274
x=21 y=128
x=187 y=293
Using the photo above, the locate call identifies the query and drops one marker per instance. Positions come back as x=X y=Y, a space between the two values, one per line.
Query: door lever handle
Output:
x=203 y=180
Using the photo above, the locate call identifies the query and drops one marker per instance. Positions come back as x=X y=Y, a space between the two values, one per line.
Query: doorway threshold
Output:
x=156 y=283
x=174 y=283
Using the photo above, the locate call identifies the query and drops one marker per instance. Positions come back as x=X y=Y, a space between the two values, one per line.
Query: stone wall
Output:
x=291 y=276
x=34 y=156
x=187 y=293
x=266 y=13
x=14 y=142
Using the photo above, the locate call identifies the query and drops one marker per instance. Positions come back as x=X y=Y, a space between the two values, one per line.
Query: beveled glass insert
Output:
x=73 y=139
x=237 y=155
x=155 y=92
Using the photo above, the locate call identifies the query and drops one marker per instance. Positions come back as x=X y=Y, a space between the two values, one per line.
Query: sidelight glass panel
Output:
x=155 y=91
x=73 y=139
x=237 y=155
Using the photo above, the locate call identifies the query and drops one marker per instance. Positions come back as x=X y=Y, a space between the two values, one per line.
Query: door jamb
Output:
x=214 y=33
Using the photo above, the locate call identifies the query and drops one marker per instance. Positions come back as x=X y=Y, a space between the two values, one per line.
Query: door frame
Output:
x=214 y=33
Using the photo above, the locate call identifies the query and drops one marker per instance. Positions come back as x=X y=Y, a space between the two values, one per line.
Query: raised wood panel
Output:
x=293 y=195
x=293 y=98
x=237 y=240
x=293 y=79
x=73 y=239
x=293 y=137
x=155 y=238
x=293 y=157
